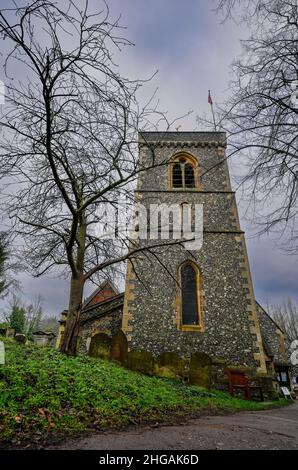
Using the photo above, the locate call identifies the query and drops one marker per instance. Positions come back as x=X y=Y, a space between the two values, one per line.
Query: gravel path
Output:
x=270 y=429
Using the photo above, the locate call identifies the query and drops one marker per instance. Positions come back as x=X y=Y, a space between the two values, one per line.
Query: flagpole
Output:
x=212 y=110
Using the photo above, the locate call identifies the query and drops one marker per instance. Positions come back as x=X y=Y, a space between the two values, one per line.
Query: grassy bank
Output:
x=44 y=393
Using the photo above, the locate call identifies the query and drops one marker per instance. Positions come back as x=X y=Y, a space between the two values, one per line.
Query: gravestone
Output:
x=170 y=365
x=3 y=331
x=10 y=332
x=200 y=370
x=140 y=361
x=100 y=346
x=119 y=348
x=2 y=353
x=20 y=338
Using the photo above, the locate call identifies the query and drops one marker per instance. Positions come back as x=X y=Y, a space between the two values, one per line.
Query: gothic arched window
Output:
x=190 y=296
x=183 y=172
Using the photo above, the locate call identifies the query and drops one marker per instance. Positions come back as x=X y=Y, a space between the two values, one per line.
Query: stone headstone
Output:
x=100 y=346
x=200 y=370
x=20 y=338
x=119 y=348
x=10 y=332
x=2 y=353
x=140 y=361
x=170 y=365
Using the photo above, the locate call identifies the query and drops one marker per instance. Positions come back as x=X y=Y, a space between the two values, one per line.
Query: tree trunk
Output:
x=70 y=337
x=69 y=342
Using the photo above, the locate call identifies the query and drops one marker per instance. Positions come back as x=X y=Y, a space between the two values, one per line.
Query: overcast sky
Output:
x=192 y=51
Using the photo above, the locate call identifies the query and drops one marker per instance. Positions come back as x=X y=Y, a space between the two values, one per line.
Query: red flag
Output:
x=209 y=98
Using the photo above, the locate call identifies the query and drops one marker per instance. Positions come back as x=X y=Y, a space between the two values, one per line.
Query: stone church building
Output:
x=183 y=301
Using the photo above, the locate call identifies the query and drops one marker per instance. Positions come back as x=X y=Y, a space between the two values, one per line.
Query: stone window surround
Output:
x=190 y=159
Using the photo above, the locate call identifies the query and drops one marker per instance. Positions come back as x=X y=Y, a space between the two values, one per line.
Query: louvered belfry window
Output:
x=183 y=174
x=189 y=295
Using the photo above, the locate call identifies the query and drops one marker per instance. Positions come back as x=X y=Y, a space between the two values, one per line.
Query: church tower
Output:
x=183 y=301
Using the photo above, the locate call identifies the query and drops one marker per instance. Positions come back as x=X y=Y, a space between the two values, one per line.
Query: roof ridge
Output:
x=100 y=288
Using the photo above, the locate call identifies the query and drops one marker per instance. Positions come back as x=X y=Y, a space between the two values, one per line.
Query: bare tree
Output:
x=238 y=9
x=49 y=324
x=4 y=255
x=69 y=139
x=24 y=318
x=34 y=316
x=286 y=316
x=8 y=266
x=261 y=112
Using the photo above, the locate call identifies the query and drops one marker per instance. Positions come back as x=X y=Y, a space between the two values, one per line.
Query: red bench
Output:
x=238 y=380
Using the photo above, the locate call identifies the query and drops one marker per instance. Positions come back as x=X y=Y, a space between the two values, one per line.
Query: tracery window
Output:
x=183 y=173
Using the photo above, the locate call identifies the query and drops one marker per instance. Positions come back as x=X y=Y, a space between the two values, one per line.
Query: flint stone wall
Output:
x=271 y=335
x=108 y=324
